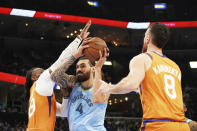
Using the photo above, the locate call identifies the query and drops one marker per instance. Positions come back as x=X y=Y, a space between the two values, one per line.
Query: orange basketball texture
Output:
x=92 y=52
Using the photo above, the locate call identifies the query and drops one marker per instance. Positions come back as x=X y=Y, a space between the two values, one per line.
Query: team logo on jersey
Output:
x=82 y=96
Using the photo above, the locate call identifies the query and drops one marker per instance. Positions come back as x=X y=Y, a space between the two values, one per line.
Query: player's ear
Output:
x=148 y=38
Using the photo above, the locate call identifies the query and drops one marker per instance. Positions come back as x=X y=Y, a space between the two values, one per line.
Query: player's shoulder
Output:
x=142 y=56
x=142 y=59
x=173 y=63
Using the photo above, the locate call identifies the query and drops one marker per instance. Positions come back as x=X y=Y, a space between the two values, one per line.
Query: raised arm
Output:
x=44 y=85
x=59 y=76
x=99 y=98
x=72 y=48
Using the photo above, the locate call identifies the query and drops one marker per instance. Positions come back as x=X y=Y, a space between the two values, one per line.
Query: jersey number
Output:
x=32 y=107
x=80 y=108
x=170 y=86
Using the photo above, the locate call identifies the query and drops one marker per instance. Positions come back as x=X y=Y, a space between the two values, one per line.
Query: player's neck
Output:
x=155 y=49
x=87 y=84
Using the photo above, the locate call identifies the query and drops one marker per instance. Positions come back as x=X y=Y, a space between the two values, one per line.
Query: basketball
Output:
x=92 y=52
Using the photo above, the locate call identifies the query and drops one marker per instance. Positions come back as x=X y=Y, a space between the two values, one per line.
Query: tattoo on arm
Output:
x=59 y=76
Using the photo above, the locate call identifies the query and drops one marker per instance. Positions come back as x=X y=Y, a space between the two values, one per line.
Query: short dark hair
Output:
x=160 y=33
x=92 y=63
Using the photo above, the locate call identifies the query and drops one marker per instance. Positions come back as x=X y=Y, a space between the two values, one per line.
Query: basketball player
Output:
x=86 y=111
x=43 y=107
x=160 y=84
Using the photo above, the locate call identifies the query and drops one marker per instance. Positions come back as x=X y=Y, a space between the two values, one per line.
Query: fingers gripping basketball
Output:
x=95 y=44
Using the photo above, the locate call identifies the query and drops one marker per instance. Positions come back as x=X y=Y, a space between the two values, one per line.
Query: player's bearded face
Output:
x=83 y=70
x=83 y=76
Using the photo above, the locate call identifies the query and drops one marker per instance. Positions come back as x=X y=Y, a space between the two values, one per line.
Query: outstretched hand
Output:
x=84 y=33
x=81 y=48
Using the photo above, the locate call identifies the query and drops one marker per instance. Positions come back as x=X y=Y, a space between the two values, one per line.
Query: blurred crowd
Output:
x=62 y=124
x=122 y=124
x=13 y=120
x=19 y=62
x=12 y=125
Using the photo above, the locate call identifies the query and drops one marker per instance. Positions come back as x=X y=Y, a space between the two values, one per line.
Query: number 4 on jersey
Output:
x=80 y=108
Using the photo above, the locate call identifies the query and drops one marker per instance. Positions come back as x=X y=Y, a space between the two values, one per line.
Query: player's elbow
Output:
x=56 y=77
x=97 y=102
x=53 y=76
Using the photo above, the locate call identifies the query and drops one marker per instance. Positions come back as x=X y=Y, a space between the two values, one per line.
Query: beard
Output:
x=83 y=76
x=144 y=48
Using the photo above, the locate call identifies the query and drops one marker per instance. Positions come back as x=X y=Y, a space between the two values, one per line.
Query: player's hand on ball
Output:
x=102 y=59
x=84 y=33
x=83 y=46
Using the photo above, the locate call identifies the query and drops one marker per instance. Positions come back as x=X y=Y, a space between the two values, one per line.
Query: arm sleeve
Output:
x=59 y=76
x=44 y=84
x=68 y=52
x=62 y=108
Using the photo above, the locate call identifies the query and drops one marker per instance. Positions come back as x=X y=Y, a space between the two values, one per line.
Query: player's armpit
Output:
x=193 y=126
x=100 y=98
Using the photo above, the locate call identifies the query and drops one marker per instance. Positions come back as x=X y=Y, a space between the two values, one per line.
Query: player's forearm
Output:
x=59 y=76
x=126 y=85
x=68 y=52
x=97 y=77
x=96 y=84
